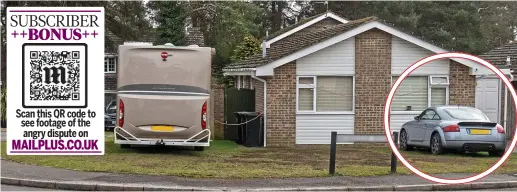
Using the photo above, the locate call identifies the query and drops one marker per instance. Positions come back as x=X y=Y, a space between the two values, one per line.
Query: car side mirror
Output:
x=417 y=118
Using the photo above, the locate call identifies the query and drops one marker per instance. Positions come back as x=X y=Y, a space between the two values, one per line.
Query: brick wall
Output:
x=259 y=95
x=462 y=88
x=281 y=106
x=217 y=111
x=372 y=79
x=110 y=81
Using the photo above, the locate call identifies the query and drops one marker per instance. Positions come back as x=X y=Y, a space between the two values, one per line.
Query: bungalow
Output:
x=330 y=74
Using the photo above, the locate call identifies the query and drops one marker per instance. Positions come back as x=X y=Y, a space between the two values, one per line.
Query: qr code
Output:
x=54 y=75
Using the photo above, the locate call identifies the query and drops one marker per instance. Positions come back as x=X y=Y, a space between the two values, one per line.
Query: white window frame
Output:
x=438 y=84
x=306 y=86
x=314 y=86
x=115 y=60
x=430 y=85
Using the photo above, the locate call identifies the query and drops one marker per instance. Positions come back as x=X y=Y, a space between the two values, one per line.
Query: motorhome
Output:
x=163 y=95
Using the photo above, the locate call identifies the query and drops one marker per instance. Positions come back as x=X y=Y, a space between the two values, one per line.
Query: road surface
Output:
x=19 y=188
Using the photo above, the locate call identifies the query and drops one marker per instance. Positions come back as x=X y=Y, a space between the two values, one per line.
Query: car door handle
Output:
x=425 y=125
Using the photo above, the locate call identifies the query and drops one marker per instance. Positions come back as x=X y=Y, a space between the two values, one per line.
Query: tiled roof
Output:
x=499 y=55
x=284 y=48
x=286 y=29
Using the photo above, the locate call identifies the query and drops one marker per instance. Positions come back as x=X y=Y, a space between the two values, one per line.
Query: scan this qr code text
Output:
x=54 y=75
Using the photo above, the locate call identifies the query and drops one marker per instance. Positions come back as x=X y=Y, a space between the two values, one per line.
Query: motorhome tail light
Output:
x=203 y=116
x=121 y=113
x=500 y=129
x=451 y=128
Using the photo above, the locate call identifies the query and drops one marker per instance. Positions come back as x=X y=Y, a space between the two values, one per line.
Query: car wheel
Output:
x=404 y=140
x=496 y=153
x=436 y=144
x=199 y=148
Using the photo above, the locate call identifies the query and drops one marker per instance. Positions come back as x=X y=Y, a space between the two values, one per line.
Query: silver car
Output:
x=461 y=128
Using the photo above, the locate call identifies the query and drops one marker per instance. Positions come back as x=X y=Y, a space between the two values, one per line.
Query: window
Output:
x=438 y=96
x=108 y=98
x=417 y=93
x=325 y=94
x=439 y=86
x=110 y=64
x=112 y=108
x=411 y=95
x=439 y=80
x=464 y=113
x=306 y=93
x=428 y=115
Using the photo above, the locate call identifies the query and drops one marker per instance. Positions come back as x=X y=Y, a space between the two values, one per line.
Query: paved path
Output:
x=16 y=170
x=20 y=188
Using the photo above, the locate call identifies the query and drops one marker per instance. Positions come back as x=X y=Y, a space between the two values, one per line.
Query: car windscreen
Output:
x=466 y=114
x=112 y=109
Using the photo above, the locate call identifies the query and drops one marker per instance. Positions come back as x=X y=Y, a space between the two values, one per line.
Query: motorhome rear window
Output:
x=466 y=114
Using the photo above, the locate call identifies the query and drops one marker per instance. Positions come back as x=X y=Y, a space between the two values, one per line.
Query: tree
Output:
x=473 y=27
x=498 y=22
x=170 y=17
x=225 y=24
x=249 y=47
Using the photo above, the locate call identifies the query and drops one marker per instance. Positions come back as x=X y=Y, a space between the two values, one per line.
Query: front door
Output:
x=488 y=98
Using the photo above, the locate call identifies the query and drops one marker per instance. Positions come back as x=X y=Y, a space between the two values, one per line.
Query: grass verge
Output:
x=225 y=159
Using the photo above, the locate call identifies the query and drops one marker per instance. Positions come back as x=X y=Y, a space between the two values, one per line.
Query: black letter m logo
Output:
x=56 y=73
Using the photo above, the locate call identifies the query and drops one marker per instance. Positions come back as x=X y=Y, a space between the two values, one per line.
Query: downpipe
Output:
x=506 y=103
x=265 y=105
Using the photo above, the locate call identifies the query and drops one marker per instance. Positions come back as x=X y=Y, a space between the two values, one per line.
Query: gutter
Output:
x=265 y=105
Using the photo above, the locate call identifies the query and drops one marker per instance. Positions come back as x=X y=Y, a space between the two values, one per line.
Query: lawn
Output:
x=225 y=159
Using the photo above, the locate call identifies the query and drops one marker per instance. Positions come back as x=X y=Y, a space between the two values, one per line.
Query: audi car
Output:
x=460 y=128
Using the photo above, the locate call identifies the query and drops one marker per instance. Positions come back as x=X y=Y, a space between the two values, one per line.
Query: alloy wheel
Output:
x=403 y=140
x=435 y=144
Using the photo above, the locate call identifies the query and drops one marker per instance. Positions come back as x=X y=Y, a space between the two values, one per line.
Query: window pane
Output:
x=466 y=113
x=306 y=80
x=439 y=80
x=108 y=98
x=109 y=64
x=438 y=96
x=106 y=61
x=428 y=115
x=305 y=99
x=411 y=92
x=334 y=94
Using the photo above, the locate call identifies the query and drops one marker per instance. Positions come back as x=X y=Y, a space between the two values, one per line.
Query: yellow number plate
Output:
x=480 y=132
x=162 y=128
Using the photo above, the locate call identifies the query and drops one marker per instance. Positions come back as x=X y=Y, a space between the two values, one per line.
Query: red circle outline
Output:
x=387 y=111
